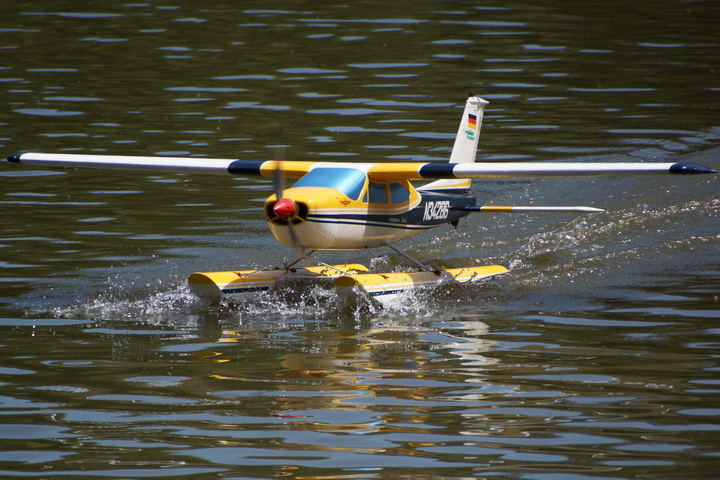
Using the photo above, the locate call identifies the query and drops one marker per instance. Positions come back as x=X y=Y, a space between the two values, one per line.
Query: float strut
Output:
x=298 y=260
x=416 y=262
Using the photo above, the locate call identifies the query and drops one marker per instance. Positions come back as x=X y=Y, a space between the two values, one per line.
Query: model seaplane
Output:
x=350 y=206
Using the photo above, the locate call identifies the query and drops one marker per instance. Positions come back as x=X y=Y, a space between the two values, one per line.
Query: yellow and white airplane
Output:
x=348 y=206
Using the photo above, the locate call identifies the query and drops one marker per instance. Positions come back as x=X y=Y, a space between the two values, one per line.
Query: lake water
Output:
x=598 y=357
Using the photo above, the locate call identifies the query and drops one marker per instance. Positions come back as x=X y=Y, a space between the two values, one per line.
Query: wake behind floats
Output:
x=351 y=206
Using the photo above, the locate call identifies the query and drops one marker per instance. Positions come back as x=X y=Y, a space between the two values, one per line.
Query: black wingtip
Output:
x=690 y=169
x=14 y=158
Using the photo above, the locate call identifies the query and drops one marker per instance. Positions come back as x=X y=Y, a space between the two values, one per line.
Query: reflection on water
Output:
x=596 y=358
x=480 y=397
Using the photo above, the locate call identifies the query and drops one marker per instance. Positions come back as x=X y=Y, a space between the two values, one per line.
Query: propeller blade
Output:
x=285 y=208
x=279 y=173
x=294 y=238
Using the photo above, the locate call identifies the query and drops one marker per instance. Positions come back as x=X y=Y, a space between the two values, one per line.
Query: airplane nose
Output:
x=284 y=208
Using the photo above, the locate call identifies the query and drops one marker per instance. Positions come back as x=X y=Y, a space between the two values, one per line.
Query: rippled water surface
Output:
x=597 y=357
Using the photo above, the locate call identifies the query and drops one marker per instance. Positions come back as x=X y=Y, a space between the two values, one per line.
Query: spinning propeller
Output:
x=285 y=208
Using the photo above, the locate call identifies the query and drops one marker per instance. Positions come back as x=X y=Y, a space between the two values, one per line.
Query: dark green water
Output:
x=597 y=358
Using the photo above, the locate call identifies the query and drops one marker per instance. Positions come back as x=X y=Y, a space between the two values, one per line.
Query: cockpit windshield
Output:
x=347 y=180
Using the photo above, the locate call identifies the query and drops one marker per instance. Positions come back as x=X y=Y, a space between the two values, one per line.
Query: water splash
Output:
x=285 y=304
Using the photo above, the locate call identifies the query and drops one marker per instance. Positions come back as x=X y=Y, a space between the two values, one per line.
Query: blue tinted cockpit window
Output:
x=399 y=193
x=347 y=180
x=378 y=194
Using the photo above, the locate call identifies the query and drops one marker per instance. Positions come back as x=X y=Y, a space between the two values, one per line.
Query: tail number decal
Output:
x=436 y=210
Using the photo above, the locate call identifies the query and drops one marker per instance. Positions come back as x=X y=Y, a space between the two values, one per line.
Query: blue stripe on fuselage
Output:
x=434 y=209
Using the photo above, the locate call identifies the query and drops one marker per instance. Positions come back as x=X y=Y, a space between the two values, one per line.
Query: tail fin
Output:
x=466 y=143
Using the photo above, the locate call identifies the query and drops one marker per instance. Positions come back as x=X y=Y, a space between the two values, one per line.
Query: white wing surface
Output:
x=376 y=171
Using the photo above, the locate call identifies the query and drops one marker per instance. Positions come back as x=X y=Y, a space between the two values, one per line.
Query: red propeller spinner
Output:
x=284 y=208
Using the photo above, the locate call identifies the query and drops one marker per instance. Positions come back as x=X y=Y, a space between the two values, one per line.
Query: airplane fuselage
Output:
x=343 y=209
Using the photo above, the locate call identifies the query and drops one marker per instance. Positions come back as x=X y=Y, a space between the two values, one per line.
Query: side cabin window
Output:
x=399 y=193
x=377 y=192
x=346 y=180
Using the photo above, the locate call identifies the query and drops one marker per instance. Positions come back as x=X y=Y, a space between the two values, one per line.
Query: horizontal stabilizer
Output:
x=531 y=209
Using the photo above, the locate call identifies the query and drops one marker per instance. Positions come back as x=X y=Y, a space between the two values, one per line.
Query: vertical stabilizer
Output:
x=466 y=143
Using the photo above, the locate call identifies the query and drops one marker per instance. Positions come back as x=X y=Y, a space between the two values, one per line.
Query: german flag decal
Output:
x=472 y=121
